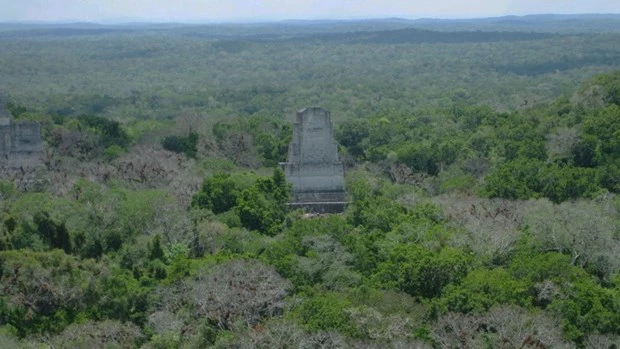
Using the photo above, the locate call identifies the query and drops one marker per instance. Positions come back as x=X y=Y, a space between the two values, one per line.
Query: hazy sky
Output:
x=223 y=10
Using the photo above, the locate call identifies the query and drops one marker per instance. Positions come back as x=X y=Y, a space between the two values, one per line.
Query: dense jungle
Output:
x=482 y=165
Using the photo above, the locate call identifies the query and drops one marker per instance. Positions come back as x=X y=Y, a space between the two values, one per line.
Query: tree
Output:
x=352 y=134
x=560 y=143
x=262 y=207
x=258 y=211
x=178 y=144
x=421 y=158
x=238 y=290
x=454 y=330
x=376 y=212
x=42 y=291
x=327 y=312
x=111 y=132
x=582 y=229
x=482 y=289
x=513 y=180
x=219 y=193
x=53 y=233
x=419 y=272
x=103 y=334
x=524 y=178
x=504 y=326
x=490 y=227
x=155 y=249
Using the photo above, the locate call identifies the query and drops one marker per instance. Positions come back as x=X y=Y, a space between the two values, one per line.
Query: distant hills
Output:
x=553 y=23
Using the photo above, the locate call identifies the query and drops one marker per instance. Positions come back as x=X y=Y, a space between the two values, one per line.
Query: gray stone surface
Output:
x=4 y=112
x=313 y=168
x=20 y=143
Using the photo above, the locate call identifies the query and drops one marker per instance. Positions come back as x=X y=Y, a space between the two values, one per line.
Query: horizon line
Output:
x=139 y=20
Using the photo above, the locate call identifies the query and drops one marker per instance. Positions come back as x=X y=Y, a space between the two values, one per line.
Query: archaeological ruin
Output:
x=313 y=168
x=20 y=142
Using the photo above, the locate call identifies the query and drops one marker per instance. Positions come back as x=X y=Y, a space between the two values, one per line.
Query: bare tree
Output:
x=584 y=229
x=560 y=143
x=149 y=166
x=328 y=261
x=239 y=146
x=164 y=321
x=504 y=326
x=274 y=334
x=245 y=291
x=104 y=334
x=513 y=327
x=491 y=226
x=377 y=326
x=476 y=166
x=393 y=344
x=455 y=330
x=609 y=341
x=324 y=340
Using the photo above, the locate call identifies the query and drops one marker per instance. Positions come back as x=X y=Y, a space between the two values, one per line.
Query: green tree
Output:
x=53 y=233
x=111 y=132
x=327 y=312
x=156 y=251
x=178 y=144
x=420 y=272
x=258 y=211
x=219 y=193
x=483 y=288
x=352 y=134
x=262 y=207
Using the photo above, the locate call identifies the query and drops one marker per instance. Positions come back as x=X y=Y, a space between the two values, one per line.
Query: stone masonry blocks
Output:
x=313 y=168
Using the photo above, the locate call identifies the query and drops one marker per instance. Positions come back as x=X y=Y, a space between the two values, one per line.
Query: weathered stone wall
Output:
x=4 y=111
x=20 y=143
x=313 y=168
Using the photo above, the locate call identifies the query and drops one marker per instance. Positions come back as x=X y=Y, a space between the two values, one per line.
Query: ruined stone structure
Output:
x=4 y=113
x=313 y=168
x=20 y=142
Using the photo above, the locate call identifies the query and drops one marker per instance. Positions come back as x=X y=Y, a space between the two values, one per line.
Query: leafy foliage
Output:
x=178 y=144
x=418 y=272
x=219 y=193
x=262 y=207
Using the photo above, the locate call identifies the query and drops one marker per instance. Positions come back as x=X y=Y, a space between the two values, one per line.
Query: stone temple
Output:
x=313 y=168
x=20 y=142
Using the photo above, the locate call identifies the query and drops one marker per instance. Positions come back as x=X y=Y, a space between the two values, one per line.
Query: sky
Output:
x=255 y=10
